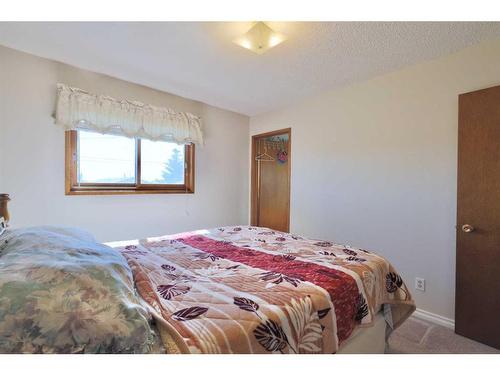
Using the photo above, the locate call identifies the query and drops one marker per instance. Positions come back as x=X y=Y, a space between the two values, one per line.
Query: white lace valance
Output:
x=78 y=109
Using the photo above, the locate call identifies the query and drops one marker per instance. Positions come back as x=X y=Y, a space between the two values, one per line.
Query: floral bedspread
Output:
x=254 y=290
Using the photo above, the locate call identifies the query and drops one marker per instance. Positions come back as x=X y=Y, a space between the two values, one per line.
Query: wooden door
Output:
x=271 y=180
x=477 y=308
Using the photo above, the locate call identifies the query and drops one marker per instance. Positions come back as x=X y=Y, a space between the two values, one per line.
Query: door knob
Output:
x=467 y=228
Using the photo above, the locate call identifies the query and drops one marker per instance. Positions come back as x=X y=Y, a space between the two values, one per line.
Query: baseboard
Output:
x=434 y=318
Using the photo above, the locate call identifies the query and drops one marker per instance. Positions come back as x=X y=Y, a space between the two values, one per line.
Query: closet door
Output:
x=478 y=217
x=271 y=180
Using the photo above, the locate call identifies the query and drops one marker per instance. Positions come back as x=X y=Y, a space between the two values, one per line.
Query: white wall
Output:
x=32 y=158
x=374 y=165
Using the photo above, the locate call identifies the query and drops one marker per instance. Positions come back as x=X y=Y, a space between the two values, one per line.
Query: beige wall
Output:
x=374 y=165
x=32 y=158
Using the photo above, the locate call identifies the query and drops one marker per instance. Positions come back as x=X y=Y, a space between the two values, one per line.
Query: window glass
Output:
x=105 y=158
x=112 y=164
x=162 y=163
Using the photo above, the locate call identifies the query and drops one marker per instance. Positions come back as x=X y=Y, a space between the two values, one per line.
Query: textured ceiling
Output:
x=198 y=60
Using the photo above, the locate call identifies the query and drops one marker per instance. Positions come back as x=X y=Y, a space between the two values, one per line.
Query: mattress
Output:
x=364 y=340
x=367 y=340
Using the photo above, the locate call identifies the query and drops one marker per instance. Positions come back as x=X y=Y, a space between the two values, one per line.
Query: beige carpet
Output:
x=416 y=336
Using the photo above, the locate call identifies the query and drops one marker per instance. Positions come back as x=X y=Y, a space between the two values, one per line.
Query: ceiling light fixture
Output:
x=260 y=38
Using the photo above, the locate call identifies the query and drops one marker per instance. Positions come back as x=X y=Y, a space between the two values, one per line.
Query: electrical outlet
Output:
x=420 y=284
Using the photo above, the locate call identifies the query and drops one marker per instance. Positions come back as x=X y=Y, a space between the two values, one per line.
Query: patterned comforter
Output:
x=254 y=290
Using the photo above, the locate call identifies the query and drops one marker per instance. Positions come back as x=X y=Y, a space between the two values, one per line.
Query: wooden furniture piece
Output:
x=4 y=212
x=478 y=217
x=270 y=189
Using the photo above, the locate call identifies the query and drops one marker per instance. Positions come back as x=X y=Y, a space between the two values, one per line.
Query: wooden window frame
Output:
x=73 y=188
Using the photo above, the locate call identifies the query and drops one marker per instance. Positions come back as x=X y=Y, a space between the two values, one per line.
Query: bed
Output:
x=238 y=289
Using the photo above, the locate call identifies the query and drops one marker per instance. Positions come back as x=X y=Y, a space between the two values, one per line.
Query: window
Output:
x=110 y=164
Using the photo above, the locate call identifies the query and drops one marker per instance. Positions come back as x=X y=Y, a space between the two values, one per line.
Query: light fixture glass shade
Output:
x=260 y=38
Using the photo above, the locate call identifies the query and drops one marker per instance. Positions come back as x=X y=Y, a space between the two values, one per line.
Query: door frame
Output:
x=254 y=178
